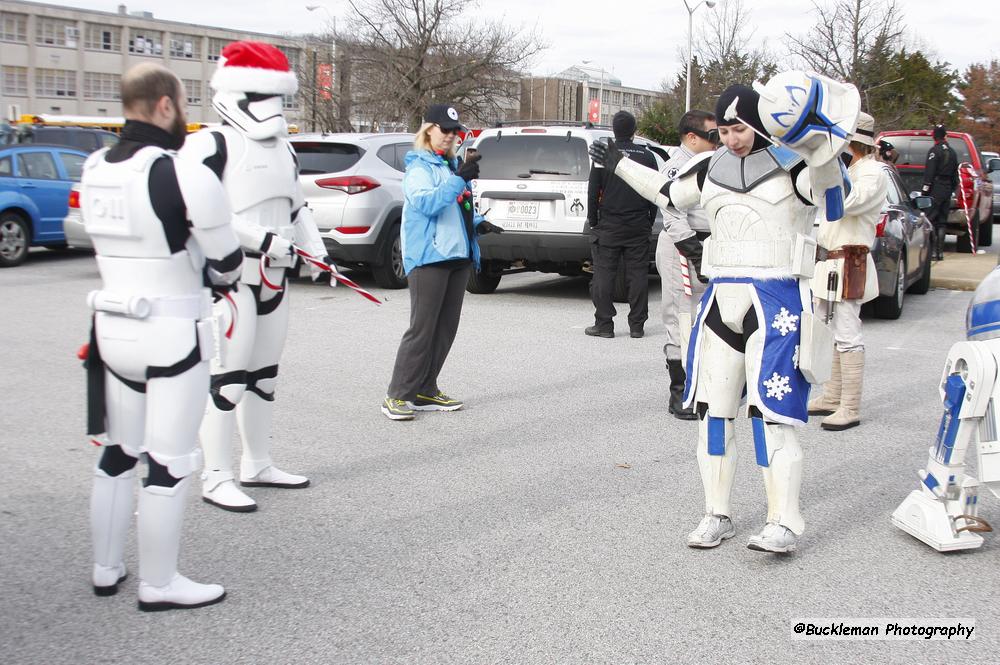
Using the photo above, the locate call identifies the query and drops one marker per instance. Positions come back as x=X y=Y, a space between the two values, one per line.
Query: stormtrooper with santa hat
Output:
x=259 y=171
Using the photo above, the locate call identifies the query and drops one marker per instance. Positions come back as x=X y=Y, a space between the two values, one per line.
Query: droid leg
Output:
x=944 y=512
x=174 y=408
x=255 y=412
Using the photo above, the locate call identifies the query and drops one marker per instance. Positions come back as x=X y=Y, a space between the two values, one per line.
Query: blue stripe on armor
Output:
x=716 y=436
x=931 y=481
x=954 y=394
x=982 y=329
x=834 y=204
x=759 y=441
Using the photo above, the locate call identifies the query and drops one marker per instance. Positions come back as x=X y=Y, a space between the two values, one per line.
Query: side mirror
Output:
x=993 y=165
x=922 y=202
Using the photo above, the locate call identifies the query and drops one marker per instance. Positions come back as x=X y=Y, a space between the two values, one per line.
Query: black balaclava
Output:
x=623 y=124
x=746 y=109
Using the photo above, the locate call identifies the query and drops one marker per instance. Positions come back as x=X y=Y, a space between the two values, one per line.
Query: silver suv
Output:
x=354 y=185
x=533 y=184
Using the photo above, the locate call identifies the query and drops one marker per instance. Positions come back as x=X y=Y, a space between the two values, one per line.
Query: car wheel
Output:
x=891 y=306
x=389 y=273
x=15 y=237
x=964 y=246
x=485 y=281
x=922 y=285
x=986 y=233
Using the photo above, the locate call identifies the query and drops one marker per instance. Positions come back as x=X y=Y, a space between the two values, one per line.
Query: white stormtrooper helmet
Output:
x=249 y=84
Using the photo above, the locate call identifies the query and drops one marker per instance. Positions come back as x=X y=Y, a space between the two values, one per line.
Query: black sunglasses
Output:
x=453 y=130
x=711 y=135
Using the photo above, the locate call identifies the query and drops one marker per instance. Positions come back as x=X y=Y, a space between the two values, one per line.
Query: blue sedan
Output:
x=35 y=182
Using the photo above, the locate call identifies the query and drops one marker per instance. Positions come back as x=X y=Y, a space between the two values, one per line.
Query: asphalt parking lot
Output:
x=543 y=523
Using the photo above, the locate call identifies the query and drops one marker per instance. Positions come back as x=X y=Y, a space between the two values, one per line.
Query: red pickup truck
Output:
x=913 y=146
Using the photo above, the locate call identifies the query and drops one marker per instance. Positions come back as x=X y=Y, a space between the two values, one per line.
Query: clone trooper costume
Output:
x=681 y=288
x=944 y=512
x=754 y=334
x=840 y=400
x=259 y=172
x=161 y=230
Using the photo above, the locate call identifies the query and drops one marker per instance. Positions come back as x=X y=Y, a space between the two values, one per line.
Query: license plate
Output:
x=522 y=210
x=520 y=225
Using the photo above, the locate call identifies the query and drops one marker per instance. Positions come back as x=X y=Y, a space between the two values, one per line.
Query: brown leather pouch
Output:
x=855 y=269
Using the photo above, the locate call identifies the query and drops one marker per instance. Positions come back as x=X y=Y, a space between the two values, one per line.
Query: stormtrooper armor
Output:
x=944 y=512
x=754 y=329
x=159 y=227
x=259 y=172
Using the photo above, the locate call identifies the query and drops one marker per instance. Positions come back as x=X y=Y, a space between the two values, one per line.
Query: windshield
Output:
x=317 y=157
x=533 y=157
x=913 y=149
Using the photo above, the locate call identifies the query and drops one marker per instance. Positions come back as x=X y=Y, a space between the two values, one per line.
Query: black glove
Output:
x=605 y=155
x=469 y=169
x=485 y=227
x=690 y=248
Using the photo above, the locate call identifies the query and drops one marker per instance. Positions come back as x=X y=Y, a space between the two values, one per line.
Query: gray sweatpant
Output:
x=436 y=295
x=672 y=297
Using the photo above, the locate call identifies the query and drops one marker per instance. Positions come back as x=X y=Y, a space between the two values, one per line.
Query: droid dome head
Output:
x=982 y=321
x=249 y=84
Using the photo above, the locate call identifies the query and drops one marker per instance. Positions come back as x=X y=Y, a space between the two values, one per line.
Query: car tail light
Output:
x=534 y=131
x=354 y=184
x=880 y=227
x=354 y=230
x=74 y=198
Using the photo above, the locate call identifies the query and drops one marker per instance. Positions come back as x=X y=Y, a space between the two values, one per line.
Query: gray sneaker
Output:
x=773 y=538
x=711 y=531
x=397 y=409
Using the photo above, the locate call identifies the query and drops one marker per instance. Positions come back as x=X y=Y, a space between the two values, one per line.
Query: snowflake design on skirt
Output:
x=777 y=386
x=785 y=322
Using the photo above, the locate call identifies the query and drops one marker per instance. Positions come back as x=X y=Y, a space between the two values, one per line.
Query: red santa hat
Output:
x=254 y=67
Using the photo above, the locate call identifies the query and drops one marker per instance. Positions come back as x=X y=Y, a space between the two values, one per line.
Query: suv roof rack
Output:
x=586 y=124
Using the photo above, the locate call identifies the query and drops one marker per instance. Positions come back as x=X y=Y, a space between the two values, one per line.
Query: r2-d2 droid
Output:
x=944 y=512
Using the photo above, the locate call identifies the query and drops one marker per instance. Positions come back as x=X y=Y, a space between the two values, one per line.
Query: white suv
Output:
x=533 y=184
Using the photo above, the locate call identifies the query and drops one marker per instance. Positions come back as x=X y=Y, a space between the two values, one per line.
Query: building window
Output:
x=292 y=54
x=193 y=87
x=215 y=47
x=185 y=47
x=15 y=81
x=289 y=102
x=593 y=94
x=146 y=42
x=101 y=86
x=605 y=96
x=616 y=97
x=55 y=83
x=102 y=38
x=57 y=32
x=13 y=27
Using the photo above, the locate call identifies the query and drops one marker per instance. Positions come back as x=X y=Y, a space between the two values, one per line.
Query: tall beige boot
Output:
x=829 y=401
x=852 y=365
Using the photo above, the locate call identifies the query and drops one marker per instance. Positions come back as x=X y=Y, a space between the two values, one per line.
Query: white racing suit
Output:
x=261 y=179
x=161 y=230
x=746 y=338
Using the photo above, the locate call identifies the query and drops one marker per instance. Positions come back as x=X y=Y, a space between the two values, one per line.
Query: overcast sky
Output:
x=638 y=39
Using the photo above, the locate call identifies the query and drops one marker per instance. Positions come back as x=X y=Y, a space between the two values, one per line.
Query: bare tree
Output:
x=407 y=54
x=850 y=38
x=723 y=44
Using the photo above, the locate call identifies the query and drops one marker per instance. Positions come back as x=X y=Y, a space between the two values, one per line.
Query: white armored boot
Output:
x=717 y=475
x=112 y=504
x=161 y=587
x=782 y=480
x=218 y=482
x=254 y=415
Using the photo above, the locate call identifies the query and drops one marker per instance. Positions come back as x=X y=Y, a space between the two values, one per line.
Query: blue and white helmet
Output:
x=982 y=320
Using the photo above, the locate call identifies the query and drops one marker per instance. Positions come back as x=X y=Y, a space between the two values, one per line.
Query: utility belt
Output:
x=795 y=255
x=195 y=306
x=850 y=262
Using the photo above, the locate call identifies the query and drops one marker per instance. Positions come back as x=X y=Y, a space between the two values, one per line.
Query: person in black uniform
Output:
x=940 y=180
x=620 y=225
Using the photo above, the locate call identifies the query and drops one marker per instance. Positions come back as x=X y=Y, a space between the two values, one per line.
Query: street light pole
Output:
x=709 y=4
x=315 y=64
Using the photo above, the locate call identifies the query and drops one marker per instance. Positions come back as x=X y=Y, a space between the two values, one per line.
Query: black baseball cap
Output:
x=444 y=116
x=939 y=132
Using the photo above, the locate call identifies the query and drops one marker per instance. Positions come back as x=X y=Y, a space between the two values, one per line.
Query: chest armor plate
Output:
x=258 y=172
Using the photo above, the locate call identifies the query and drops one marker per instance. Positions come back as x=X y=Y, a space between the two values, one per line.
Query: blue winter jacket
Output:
x=433 y=229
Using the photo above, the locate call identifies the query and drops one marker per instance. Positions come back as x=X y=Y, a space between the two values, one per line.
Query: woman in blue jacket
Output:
x=440 y=249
